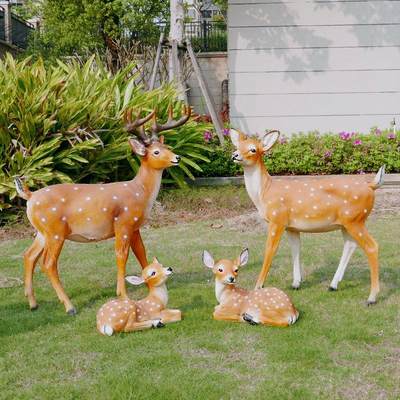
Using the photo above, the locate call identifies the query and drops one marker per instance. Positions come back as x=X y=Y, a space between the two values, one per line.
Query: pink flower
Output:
x=378 y=132
x=207 y=136
x=283 y=140
x=226 y=132
x=357 y=142
x=328 y=154
x=344 y=135
x=361 y=172
x=391 y=136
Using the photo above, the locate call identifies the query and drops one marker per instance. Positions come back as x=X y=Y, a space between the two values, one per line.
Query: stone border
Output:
x=390 y=180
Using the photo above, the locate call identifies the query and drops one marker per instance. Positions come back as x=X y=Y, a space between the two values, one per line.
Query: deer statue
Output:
x=94 y=212
x=269 y=306
x=308 y=205
x=124 y=315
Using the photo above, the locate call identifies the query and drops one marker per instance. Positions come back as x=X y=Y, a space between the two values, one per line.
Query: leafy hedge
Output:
x=63 y=123
x=313 y=153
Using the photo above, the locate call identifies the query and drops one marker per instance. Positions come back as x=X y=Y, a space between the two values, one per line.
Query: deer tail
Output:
x=379 y=179
x=22 y=190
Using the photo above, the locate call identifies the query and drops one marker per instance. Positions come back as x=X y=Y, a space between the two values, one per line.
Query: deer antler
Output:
x=171 y=122
x=137 y=125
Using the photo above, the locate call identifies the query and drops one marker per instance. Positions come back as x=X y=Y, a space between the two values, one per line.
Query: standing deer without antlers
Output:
x=95 y=212
x=308 y=205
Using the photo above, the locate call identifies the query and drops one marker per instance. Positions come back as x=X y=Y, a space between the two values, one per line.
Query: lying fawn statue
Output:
x=269 y=306
x=124 y=315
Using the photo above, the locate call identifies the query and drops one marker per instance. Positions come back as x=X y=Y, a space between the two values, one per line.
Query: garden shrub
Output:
x=63 y=123
x=314 y=153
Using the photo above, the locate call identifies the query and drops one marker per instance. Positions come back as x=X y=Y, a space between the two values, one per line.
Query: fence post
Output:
x=205 y=35
x=7 y=21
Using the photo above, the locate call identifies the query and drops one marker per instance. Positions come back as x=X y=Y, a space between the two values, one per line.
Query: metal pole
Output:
x=157 y=61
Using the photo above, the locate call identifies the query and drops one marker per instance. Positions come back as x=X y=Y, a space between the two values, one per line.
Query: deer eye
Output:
x=235 y=271
x=153 y=273
x=252 y=150
x=156 y=152
x=220 y=269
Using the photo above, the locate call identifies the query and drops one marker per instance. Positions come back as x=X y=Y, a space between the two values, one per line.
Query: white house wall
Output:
x=306 y=65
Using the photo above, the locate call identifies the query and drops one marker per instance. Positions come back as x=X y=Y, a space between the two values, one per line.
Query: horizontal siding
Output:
x=316 y=104
x=303 y=37
x=315 y=82
x=308 y=64
x=338 y=13
x=311 y=60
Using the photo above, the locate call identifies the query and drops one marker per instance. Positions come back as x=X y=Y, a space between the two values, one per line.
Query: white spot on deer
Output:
x=64 y=218
x=355 y=197
x=125 y=184
x=135 y=219
x=365 y=210
x=125 y=236
x=104 y=209
x=38 y=203
x=115 y=198
x=345 y=201
x=76 y=188
x=282 y=199
x=101 y=188
x=79 y=209
x=126 y=208
x=287 y=187
x=306 y=184
x=273 y=233
x=43 y=219
x=346 y=212
x=273 y=212
x=315 y=207
x=56 y=237
x=62 y=200
x=137 y=194
x=88 y=198
x=54 y=209
x=328 y=204
x=121 y=320
x=115 y=218
x=47 y=190
x=307 y=216
x=360 y=234
x=312 y=189
x=292 y=209
x=88 y=219
x=299 y=201
x=321 y=187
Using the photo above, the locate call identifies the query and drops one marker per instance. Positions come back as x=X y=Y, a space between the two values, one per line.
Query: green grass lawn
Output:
x=339 y=349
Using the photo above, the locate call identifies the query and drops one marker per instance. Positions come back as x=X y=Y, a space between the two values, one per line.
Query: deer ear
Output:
x=269 y=139
x=244 y=257
x=161 y=139
x=134 y=280
x=137 y=147
x=208 y=261
x=235 y=137
x=155 y=260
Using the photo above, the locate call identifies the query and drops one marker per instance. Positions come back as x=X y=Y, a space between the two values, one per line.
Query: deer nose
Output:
x=234 y=155
x=231 y=279
x=169 y=269
x=178 y=158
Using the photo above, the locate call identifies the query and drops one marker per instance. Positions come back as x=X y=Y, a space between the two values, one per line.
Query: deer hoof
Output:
x=332 y=289
x=248 y=318
x=296 y=287
x=371 y=303
x=34 y=308
x=72 y=311
x=160 y=325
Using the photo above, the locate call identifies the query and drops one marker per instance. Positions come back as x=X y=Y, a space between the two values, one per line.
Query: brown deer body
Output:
x=308 y=205
x=95 y=212
x=268 y=306
x=125 y=315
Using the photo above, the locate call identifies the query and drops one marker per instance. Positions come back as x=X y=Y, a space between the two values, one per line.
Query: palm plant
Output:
x=63 y=123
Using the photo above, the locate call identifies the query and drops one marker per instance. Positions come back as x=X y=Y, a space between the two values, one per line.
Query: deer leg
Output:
x=348 y=249
x=31 y=257
x=274 y=235
x=53 y=249
x=140 y=326
x=294 y=243
x=138 y=249
x=360 y=234
x=168 y=316
x=122 y=242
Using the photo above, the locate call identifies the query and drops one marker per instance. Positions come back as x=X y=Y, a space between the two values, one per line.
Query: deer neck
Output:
x=257 y=181
x=223 y=291
x=150 y=180
x=160 y=293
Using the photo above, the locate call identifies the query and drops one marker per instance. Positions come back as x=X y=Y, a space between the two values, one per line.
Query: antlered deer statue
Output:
x=95 y=212
x=308 y=205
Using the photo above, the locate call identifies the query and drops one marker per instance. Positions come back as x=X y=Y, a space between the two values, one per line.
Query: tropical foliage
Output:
x=64 y=123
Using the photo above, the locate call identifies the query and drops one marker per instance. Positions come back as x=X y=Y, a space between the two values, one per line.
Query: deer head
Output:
x=151 y=147
x=226 y=271
x=249 y=150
